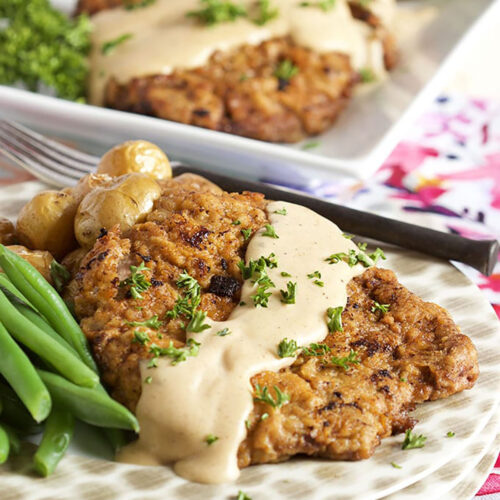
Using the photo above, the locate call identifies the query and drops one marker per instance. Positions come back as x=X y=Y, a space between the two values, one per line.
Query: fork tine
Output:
x=36 y=168
x=45 y=150
x=43 y=141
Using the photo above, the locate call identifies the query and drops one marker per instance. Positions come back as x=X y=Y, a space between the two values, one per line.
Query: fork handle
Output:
x=479 y=254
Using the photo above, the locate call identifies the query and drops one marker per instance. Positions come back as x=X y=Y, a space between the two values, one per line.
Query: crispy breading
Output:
x=410 y=354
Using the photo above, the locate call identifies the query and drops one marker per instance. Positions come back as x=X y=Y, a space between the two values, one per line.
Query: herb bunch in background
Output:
x=41 y=46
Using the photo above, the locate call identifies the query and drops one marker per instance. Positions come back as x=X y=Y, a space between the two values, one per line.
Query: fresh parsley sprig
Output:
x=137 y=281
x=177 y=354
x=154 y=323
x=110 y=45
x=262 y=394
x=266 y=12
x=287 y=348
x=344 y=362
x=288 y=295
x=412 y=440
x=383 y=308
x=315 y=349
x=334 y=322
x=217 y=11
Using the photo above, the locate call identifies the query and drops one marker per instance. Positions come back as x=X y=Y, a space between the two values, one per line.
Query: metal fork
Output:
x=63 y=166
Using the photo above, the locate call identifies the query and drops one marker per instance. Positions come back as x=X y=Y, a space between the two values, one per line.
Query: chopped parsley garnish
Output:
x=243 y=496
x=353 y=258
x=264 y=416
x=270 y=232
x=247 y=424
x=334 y=322
x=383 y=308
x=42 y=46
x=60 y=275
x=287 y=348
x=223 y=332
x=285 y=274
x=377 y=255
x=396 y=466
x=266 y=12
x=316 y=274
x=403 y=379
x=137 y=281
x=246 y=233
x=243 y=304
x=110 y=46
x=281 y=211
x=210 y=439
x=153 y=323
x=412 y=441
x=450 y=434
x=141 y=337
x=256 y=270
x=236 y=222
x=348 y=236
x=315 y=349
x=197 y=323
x=261 y=298
x=138 y=5
x=288 y=295
x=177 y=354
x=367 y=75
x=344 y=362
x=148 y=379
x=336 y=257
x=286 y=70
x=217 y=11
x=324 y=5
x=262 y=394
x=153 y=363
x=311 y=145
x=243 y=77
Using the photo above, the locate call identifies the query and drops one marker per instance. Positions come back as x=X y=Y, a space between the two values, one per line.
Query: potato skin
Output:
x=127 y=200
x=46 y=223
x=136 y=156
x=39 y=259
x=7 y=232
x=72 y=261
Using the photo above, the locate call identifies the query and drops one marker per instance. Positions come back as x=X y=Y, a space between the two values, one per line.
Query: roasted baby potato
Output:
x=73 y=260
x=39 y=259
x=127 y=200
x=136 y=156
x=7 y=232
x=46 y=223
x=88 y=183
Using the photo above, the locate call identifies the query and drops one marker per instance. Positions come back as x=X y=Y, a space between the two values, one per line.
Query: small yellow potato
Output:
x=136 y=156
x=126 y=201
x=73 y=260
x=46 y=223
x=39 y=259
x=7 y=232
x=88 y=183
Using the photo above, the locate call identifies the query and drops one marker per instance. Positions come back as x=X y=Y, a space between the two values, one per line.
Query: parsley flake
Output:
x=141 y=337
x=383 y=308
x=148 y=379
x=210 y=439
x=154 y=323
x=281 y=211
x=137 y=281
x=262 y=394
x=396 y=466
x=236 y=222
x=344 y=362
x=334 y=322
x=243 y=496
x=311 y=145
x=287 y=348
x=177 y=354
x=412 y=441
x=246 y=233
x=110 y=46
x=288 y=295
x=286 y=70
x=270 y=232
x=324 y=5
x=367 y=75
x=217 y=11
x=264 y=416
x=266 y=12
x=450 y=434
x=315 y=349
x=223 y=332
x=285 y=274
x=138 y=5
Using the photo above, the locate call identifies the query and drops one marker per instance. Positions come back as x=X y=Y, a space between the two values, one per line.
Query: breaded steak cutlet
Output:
x=238 y=91
x=411 y=354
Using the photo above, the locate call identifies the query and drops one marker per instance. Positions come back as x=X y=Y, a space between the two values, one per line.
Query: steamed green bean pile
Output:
x=48 y=377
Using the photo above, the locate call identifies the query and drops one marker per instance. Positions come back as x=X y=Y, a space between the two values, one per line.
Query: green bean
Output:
x=16 y=367
x=92 y=406
x=7 y=284
x=45 y=346
x=14 y=441
x=48 y=302
x=15 y=413
x=57 y=435
x=4 y=445
x=116 y=438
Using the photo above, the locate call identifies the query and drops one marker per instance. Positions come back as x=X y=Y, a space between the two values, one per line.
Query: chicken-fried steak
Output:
x=410 y=354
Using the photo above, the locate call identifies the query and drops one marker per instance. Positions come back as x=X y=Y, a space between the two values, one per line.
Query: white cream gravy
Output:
x=164 y=39
x=211 y=393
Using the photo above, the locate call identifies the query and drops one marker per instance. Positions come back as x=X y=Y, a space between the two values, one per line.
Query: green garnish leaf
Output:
x=324 y=5
x=367 y=75
x=336 y=257
x=285 y=274
x=345 y=361
x=138 y=5
x=281 y=211
x=264 y=416
x=266 y=12
x=153 y=363
x=246 y=233
x=383 y=308
x=243 y=496
x=217 y=11
x=315 y=274
x=412 y=441
x=377 y=254
x=450 y=434
x=262 y=394
x=311 y=145
x=177 y=354
x=288 y=295
x=223 y=332
x=148 y=379
x=334 y=322
x=286 y=70
x=236 y=222
x=270 y=232
x=287 y=348
x=197 y=323
x=315 y=349
x=154 y=323
x=141 y=337
x=42 y=46
x=396 y=466
x=137 y=281
x=348 y=236
x=210 y=439
x=110 y=46
x=261 y=298
x=59 y=274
